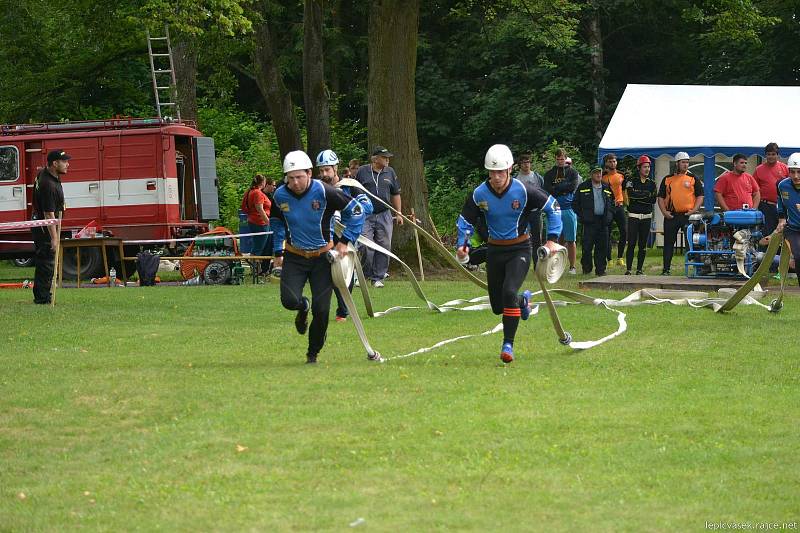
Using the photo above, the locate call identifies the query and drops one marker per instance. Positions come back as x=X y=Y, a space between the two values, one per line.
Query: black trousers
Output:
x=45 y=264
x=506 y=268
x=619 y=220
x=770 y=216
x=638 y=232
x=671 y=227
x=594 y=243
x=298 y=270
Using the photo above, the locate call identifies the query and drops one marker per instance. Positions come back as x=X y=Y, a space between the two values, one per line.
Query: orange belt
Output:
x=509 y=242
x=308 y=254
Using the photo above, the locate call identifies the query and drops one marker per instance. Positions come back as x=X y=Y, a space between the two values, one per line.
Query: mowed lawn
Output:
x=191 y=408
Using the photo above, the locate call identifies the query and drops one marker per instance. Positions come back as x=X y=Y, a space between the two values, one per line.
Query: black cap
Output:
x=380 y=150
x=55 y=155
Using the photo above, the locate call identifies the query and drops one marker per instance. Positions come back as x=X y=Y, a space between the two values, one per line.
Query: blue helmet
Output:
x=327 y=158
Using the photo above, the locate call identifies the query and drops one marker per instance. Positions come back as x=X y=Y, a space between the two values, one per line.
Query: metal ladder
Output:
x=163 y=78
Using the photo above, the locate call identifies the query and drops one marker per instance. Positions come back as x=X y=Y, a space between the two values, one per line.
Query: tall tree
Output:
x=392 y=117
x=270 y=83
x=314 y=90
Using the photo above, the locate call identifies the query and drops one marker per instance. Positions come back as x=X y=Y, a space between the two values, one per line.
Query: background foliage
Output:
x=511 y=71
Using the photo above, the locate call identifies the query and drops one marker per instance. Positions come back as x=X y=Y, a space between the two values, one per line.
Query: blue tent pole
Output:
x=709 y=179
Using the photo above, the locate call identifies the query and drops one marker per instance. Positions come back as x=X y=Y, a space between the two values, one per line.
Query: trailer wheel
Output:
x=91 y=264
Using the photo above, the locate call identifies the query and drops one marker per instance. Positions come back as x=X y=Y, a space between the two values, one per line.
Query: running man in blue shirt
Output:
x=789 y=209
x=300 y=217
x=505 y=204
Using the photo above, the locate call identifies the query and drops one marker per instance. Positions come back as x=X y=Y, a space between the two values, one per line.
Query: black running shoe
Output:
x=311 y=359
x=301 y=320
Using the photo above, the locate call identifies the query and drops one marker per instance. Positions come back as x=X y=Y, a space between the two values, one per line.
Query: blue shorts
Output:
x=570 y=225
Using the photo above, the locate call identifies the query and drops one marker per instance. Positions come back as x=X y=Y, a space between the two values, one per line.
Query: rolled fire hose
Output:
x=342 y=267
x=549 y=269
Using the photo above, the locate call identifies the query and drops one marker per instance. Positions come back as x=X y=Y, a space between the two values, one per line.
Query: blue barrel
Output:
x=245 y=243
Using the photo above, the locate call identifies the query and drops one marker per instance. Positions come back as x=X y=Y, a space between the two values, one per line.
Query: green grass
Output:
x=190 y=408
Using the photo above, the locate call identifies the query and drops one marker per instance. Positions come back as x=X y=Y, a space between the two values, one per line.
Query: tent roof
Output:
x=664 y=119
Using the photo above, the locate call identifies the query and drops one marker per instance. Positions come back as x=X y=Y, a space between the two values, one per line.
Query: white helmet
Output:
x=794 y=160
x=327 y=158
x=498 y=157
x=297 y=160
x=681 y=156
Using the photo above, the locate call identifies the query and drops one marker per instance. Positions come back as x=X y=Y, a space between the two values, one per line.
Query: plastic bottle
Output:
x=112 y=277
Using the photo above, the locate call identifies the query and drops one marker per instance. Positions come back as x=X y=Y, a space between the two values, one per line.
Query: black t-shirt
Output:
x=48 y=195
x=641 y=195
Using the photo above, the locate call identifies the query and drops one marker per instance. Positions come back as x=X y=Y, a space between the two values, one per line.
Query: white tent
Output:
x=658 y=119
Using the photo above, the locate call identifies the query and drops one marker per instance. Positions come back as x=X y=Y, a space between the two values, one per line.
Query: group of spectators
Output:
x=610 y=198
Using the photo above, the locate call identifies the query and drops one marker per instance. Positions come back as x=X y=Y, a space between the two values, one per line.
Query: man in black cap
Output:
x=48 y=203
x=380 y=180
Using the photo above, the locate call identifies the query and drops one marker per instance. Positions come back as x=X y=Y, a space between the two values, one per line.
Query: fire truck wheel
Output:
x=91 y=264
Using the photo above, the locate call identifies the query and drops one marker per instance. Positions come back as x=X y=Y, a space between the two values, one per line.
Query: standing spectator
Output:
x=48 y=203
x=561 y=182
x=527 y=175
x=789 y=209
x=352 y=166
x=768 y=174
x=256 y=204
x=679 y=195
x=640 y=195
x=301 y=219
x=736 y=189
x=594 y=206
x=504 y=204
x=614 y=180
x=381 y=181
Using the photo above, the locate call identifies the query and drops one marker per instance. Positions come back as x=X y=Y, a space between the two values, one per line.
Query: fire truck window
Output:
x=9 y=163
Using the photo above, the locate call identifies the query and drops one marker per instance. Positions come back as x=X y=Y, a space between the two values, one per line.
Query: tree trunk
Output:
x=314 y=90
x=392 y=119
x=184 y=57
x=277 y=97
x=595 y=42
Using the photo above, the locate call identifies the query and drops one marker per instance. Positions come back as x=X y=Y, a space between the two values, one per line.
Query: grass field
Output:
x=190 y=408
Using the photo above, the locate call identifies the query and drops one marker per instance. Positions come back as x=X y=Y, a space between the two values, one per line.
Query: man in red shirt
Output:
x=768 y=174
x=736 y=188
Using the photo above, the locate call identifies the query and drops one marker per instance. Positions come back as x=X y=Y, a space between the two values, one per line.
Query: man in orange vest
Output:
x=614 y=180
x=679 y=195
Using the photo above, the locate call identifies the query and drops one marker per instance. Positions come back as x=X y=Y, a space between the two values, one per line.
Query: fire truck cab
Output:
x=136 y=178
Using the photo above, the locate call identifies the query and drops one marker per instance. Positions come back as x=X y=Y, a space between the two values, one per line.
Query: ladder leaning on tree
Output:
x=164 y=82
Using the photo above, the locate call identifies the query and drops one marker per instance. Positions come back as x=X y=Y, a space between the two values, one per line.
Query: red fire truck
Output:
x=136 y=178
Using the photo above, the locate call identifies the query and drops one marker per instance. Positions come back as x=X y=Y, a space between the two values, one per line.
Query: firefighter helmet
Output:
x=297 y=160
x=498 y=157
x=327 y=158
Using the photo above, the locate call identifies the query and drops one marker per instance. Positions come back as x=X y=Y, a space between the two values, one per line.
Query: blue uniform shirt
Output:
x=506 y=214
x=304 y=220
x=789 y=203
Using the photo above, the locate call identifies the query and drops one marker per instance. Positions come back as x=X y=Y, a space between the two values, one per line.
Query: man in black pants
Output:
x=679 y=195
x=301 y=221
x=48 y=203
x=505 y=204
x=640 y=195
x=594 y=206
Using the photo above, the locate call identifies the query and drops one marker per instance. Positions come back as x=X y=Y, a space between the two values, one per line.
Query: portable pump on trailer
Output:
x=717 y=240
